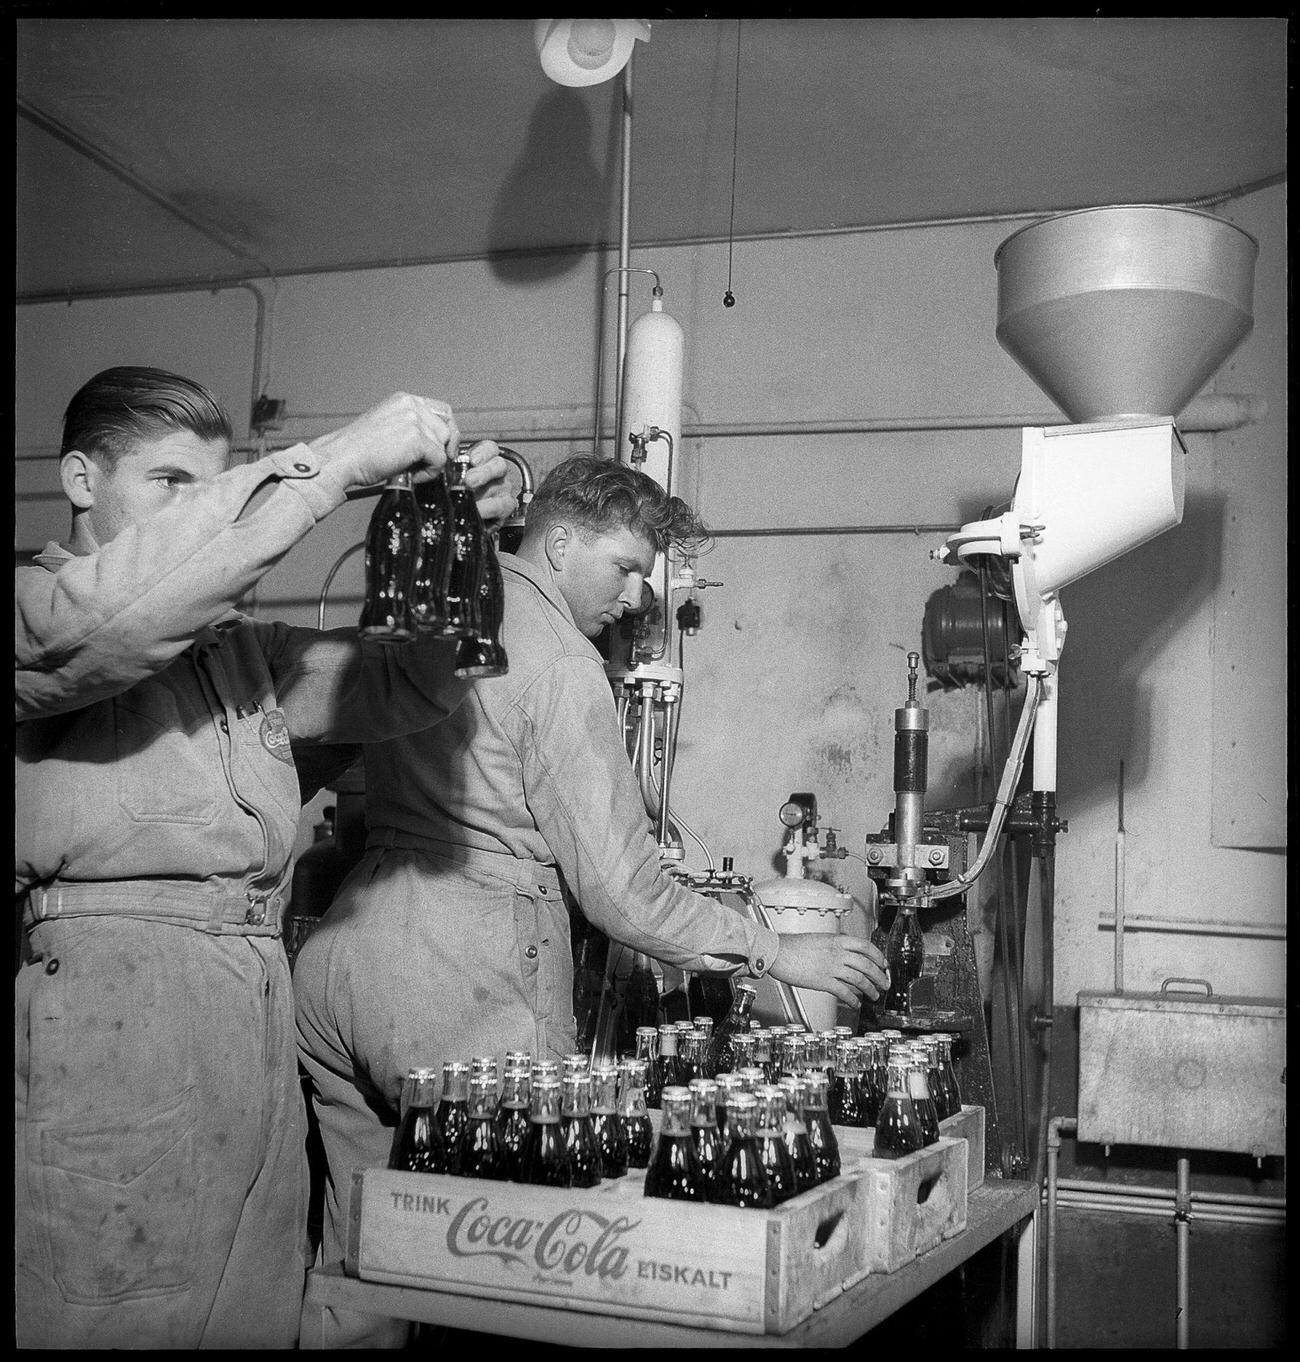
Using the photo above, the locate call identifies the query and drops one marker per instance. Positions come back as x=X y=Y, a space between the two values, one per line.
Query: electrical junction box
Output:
x=1183 y=1069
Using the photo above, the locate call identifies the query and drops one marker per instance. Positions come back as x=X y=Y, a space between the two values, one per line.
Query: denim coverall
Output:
x=160 y=1169
x=450 y=938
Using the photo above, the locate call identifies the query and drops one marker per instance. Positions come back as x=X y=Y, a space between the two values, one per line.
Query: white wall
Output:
x=792 y=682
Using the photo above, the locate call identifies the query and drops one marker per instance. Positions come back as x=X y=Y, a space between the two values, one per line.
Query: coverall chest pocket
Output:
x=165 y=755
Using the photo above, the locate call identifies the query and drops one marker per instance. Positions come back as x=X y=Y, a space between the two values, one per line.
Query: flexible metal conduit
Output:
x=1002 y=802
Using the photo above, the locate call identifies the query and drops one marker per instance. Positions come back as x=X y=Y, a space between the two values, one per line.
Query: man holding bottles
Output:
x=160 y=1169
x=451 y=936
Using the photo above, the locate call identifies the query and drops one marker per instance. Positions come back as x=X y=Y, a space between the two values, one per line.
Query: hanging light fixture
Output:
x=586 y=51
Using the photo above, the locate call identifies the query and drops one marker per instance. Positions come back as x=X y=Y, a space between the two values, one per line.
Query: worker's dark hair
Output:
x=599 y=495
x=120 y=407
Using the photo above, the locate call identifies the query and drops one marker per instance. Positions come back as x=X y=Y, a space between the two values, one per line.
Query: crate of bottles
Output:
x=967 y=1124
x=612 y=1250
x=910 y=1204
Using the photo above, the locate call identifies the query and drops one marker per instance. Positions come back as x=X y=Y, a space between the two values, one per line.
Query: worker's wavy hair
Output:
x=118 y=408
x=601 y=495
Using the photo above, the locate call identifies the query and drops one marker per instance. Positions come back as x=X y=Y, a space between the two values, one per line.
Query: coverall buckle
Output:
x=257 y=907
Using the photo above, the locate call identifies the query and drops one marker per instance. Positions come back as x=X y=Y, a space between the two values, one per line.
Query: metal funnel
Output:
x=1127 y=310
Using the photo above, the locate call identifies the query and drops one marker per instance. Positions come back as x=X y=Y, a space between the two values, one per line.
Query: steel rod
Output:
x=1138 y=922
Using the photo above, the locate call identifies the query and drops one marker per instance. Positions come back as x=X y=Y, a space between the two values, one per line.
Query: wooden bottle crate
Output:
x=967 y=1124
x=912 y=1203
x=611 y=1249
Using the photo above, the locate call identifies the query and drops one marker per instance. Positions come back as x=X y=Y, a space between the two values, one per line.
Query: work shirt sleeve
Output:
x=334 y=688
x=584 y=797
x=106 y=620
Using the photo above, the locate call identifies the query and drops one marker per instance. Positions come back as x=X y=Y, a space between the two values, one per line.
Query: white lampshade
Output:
x=586 y=51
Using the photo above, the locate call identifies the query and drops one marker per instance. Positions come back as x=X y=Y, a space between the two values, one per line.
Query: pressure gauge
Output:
x=792 y=814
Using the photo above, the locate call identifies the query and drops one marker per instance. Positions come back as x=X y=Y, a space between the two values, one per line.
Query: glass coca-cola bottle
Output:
x=791 y=1053
x=705 y=1133
x=485 y=654
x=667 y=1071
x=762 y=1041
x=845 y=1102
x=543 y=1068
x=771 y=1143
x=690 y=1056
x=730 y=1085
x=545 y=1158
x=579 y=1134
x=918 y=1089
x=484 y=1066
x=392 y=545
x=905 y=954
x=674 y=1168
x=754 y=1077
x=821 y=1134
x=795 y=1134
x=744 y=1180
x=898 y=1131
x=742 y=1052
x=574 y=1064
x=815 y=1056
x=705 y=1024
x=640 y=1004
x=611 y=1138
x=518 y=1059
x=632 y=1112
x=453 y=1109
x=512 y=1114
x=433 y=560
x=719 y=1056
x=418 y=1145
x=482 y=1150
x=947 y=1075
x=647 y=1051
x=873 y=1075
x=708 y=994
x=467 y=538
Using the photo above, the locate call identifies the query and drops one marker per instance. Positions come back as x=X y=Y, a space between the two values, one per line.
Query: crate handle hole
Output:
x=924 y=1190
x=826 y=1229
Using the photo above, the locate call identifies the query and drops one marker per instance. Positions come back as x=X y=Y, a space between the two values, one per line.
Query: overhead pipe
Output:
x=1209 y=414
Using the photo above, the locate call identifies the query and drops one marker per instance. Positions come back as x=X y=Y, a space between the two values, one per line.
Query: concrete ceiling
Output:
x=163 y=152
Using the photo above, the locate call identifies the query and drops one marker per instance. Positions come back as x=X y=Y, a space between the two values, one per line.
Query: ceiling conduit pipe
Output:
x=1209 y=414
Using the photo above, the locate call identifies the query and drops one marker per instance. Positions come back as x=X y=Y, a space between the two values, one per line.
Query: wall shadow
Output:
x=1120 y=617
x=558 y=189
